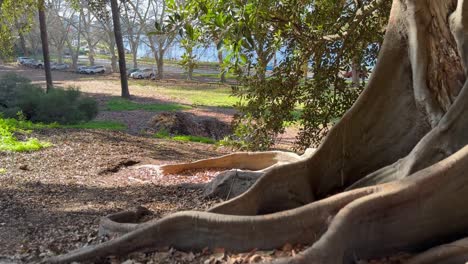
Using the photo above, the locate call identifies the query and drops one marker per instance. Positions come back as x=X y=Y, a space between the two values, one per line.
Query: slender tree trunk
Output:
x=135 y=56
x=114 y=59
x=60 y=54
x=45 y=44
x=160 y=66
x=22 y=42
x=261 y=68
x=190 y=72
x=91 y=52
x=221 y=67
x=120 y=48
x=76 y=54
x=355 y=73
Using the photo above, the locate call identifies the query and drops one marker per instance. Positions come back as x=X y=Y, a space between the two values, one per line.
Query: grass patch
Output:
x=194 y=139
x=103 y=125
x=9 y=142
x=119 y=104
x=216 y=97
x=165 y=135
x=3 y=171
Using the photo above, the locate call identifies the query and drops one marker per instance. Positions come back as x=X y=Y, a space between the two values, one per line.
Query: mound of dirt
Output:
x=181 y=123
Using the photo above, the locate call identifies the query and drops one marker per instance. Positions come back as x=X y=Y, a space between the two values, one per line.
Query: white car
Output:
x=59 y=66
x=35 y=64
x=93 y=70
x=23 y=60
x=142 y=74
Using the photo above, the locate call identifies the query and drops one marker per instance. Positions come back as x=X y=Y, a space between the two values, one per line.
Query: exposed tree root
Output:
x=254 y=161
x=415 y=213
x=399 y=153
x=122 y=222
x=452 y=253
x=196 y=230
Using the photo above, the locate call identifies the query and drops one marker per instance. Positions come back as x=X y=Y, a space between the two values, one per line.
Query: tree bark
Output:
x=45 y=44
x=125 y=93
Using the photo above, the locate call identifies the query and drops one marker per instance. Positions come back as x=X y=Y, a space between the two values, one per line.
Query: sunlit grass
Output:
x=202 y=96
x=10 y=142
x=119 y=104
x=186 y=138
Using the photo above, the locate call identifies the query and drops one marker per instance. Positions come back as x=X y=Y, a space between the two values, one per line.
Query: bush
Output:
x=65 y=106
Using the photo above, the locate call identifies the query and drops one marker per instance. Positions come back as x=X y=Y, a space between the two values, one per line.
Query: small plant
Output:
x=163 y=134
x=3 y=171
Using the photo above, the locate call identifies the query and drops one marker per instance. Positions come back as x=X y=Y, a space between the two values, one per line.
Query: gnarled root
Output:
x=254 y=161
x=412 y=214
x=122 y=222
x=196 y=230
x=452 y=253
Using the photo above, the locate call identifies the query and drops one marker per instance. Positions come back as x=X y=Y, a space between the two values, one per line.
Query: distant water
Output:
x=208 y=54
x=175 y=52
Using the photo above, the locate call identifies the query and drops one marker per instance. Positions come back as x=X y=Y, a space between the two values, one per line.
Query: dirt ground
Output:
x=51 y=200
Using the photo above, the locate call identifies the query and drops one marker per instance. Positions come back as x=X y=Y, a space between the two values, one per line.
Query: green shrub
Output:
x=65 y=106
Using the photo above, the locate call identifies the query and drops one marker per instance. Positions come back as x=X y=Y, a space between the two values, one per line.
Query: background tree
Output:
x=120 y=48
x=159 y=43
x=134 y=19
x=183 y=18
x=90 y=34
x=45 y=43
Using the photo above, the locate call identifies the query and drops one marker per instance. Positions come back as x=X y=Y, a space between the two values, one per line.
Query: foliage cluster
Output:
x=317 y=40
x=18 y=94
x=16 y=15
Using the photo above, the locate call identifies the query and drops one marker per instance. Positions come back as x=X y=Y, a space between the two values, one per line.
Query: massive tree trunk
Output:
x=391 y=176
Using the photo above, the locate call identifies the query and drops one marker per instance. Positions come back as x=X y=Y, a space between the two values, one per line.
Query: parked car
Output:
x=94 y=69
x=38 y=64
x=143 y=74
x=130 y=71
x=23 y=60
x=81 y=69
x=59 y=66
